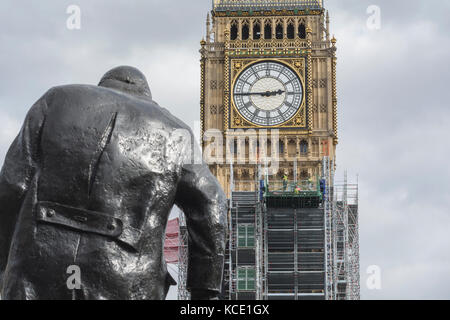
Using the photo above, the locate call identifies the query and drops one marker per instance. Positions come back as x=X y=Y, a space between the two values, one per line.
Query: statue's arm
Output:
x=16 y=175
x=205 y=206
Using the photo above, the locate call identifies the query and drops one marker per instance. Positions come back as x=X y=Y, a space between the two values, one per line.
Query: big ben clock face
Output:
x=268 y=93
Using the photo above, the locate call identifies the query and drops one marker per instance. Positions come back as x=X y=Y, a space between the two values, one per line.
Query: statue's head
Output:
x=127 y=79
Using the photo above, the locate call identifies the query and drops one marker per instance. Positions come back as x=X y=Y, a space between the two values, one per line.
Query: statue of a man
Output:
x=87 y=187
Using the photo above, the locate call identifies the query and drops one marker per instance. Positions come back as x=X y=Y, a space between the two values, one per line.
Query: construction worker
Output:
x=285 y=182
x=322 y=186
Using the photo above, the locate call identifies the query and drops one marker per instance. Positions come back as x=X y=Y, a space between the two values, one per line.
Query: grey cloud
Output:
x=394 y=124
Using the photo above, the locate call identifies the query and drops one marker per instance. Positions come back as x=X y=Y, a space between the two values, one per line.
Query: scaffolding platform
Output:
x=294 y=194
x=307 y=199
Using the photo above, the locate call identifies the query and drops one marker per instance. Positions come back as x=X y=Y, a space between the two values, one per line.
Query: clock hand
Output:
x=249 y=94
x=264 y=94
x=273 y=93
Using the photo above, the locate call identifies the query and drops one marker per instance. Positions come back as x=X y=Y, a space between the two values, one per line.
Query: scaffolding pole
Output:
x=328 y=175
x=353 y=288
x=183 y=293
x=345 y=241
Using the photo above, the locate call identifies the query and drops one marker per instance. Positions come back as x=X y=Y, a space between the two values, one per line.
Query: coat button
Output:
x=51 y=213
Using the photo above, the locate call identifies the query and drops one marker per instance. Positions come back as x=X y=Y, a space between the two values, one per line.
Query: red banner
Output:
x=172 y=241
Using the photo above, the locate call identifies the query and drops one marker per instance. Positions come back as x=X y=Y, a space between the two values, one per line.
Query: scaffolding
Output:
x=183 y=293
x=341 y=236
x=346 y=241
x=328 y=175
x=243 y=274
x=289 y=249
x=285 y=245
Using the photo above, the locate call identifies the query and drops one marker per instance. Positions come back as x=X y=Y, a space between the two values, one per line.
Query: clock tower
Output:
x=268 y=88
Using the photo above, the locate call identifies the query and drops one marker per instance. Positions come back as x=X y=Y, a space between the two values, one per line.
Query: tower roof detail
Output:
x=259 y=5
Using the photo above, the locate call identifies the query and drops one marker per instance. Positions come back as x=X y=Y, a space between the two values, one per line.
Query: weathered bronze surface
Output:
x=90 y=182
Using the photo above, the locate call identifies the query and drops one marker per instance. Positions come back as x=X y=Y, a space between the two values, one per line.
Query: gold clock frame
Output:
x=234 y=120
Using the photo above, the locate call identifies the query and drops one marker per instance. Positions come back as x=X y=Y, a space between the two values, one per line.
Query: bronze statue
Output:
x=90 y=182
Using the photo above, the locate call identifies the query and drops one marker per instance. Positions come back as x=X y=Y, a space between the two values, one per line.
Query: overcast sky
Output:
x=393 y=105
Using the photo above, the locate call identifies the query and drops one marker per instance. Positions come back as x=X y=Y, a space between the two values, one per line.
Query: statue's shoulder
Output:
x=75 y=92
x=82 y=95
x=76 y=96
x=143 y=108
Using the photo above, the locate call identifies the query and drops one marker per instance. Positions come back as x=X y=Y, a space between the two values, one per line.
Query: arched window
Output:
x=268 y=31
x=279 y=31
x=256 y=31
x=234 y=31
x=292 y=148
x=303 y=147
x=301 y=31
x=290 y=31
x=281 y=149
x=245 y=31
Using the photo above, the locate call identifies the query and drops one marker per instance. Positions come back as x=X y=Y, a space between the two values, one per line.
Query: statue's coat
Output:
x=90 y=181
